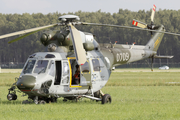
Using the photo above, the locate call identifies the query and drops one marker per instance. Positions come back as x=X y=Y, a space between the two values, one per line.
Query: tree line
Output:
x=20 y=50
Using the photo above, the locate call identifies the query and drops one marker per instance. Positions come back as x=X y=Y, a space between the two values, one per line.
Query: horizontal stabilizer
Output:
x=162 y=57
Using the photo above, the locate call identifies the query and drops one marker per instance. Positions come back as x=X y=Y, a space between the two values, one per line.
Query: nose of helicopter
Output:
x=26 y=83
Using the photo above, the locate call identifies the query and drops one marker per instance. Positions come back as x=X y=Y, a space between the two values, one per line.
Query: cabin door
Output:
x=80 y=75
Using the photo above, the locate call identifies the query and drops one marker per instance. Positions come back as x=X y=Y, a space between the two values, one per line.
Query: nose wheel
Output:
x=12 y=92
x=11 y=96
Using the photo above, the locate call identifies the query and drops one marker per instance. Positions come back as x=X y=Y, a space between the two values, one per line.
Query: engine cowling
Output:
x=88 y=46
x=56 y=37
x=47 y=36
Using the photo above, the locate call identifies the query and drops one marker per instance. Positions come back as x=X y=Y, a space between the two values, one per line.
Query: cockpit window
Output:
x=96 y=65
x=41 y=66
x=29 y=66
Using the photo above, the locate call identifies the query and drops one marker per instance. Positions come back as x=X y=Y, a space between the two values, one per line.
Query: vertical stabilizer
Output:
x=155 y=41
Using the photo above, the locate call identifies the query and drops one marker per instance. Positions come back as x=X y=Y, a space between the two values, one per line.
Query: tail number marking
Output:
x=122 y=57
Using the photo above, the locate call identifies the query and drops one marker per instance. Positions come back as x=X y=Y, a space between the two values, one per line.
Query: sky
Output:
x=65 y=6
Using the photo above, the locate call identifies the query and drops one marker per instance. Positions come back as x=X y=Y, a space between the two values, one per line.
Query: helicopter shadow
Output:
x=6 y=102
x=18 y=102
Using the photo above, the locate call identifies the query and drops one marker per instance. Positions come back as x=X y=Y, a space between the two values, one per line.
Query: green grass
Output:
x=6 y=79
x=136 y=96
x=144 y=79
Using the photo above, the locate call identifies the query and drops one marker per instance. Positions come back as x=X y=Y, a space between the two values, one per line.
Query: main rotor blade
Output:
x=153 y=13
x=33 y=30
x=21 y=37
x=78 y=45
x=127 y=27
x=139 y=24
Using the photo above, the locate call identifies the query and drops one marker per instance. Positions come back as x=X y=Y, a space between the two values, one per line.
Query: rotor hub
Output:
x=69 y=18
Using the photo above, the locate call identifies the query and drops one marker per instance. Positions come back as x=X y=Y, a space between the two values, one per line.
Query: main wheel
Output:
x=106 y=99
x=42 y=102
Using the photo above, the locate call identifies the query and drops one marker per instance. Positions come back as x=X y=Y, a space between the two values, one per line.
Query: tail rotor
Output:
x=144 y=25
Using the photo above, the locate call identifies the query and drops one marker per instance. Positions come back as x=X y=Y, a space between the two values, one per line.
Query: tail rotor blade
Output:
x=78 y=45
x=153 y=13
x=139 y=24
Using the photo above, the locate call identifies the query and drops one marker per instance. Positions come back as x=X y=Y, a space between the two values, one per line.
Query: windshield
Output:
x=41 y=66
x=29 y=66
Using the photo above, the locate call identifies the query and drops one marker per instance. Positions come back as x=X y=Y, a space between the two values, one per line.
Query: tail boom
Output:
x=155 y=41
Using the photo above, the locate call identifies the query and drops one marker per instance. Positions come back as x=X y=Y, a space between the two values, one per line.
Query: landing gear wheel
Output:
x=54 y=99
x=106 y=99
x=11 y=96
x=42 y=102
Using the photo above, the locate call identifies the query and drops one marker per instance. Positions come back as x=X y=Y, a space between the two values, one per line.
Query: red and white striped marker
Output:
x=134 y=23
x=153 y=13
x=154 y=8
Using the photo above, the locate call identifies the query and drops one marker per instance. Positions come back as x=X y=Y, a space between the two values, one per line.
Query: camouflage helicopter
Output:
x=75 y=65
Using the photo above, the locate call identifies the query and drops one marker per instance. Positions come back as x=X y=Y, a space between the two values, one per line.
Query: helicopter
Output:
x=75 y=65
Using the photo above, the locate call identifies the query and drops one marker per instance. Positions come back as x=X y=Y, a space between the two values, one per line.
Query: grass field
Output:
x=135 y=95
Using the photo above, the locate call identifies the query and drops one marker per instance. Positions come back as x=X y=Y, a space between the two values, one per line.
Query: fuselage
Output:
x=52 y=73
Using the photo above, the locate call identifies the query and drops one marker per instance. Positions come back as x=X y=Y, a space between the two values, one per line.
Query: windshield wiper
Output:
x=41 y=70
x=24 y=71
